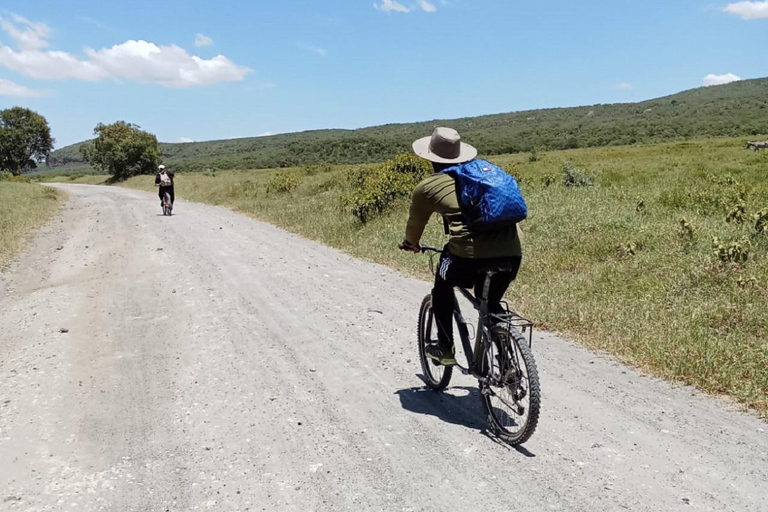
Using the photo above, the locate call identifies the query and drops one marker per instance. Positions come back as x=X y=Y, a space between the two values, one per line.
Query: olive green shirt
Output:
x=437 y=194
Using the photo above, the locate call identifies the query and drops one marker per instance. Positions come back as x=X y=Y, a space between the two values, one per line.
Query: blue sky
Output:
x=197 y=70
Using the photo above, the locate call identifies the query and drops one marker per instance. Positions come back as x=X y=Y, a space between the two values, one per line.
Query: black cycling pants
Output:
x=463 y=272
x=162 y=192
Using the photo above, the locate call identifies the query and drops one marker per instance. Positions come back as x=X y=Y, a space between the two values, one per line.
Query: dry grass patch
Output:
x=24 y=207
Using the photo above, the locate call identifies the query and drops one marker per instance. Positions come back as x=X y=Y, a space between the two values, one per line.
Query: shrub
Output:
x=283 y=181
x=375 y=190
x=211 y=173
x=731 y=252
x=737 y=214
x=549 y=179
x=761 y=221
x=576 y=177
x=75 y=176
x=411 y=165
x=321 y=168
x=5 y=175
x=685 y=231
x=380 y=189
x=534 y=156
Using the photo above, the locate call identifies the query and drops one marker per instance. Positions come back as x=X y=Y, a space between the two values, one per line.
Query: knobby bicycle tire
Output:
x=436 y=376
x=519 y=343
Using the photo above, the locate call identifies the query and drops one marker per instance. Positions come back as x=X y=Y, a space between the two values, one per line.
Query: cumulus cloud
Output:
x=8 y=88
x=185 y=140
x=712 y=79
x=748 y=10
x=623 y=86
x=136 y=61
x=390 y=6
x=203 y=40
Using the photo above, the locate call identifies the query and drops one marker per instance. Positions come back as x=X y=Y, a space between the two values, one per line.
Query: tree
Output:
x=122 y=150
x=25 y=140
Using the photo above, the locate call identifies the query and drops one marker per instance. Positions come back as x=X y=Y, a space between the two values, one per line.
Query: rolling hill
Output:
x=736 y=109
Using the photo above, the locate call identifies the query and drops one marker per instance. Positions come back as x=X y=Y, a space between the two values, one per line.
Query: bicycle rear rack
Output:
x=513 y=319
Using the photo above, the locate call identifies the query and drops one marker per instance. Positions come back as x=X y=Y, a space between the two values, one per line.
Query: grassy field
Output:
x=85 y=179
x=24 y=207
x=629 y=265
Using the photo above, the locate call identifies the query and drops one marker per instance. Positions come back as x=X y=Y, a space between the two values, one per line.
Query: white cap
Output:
x=160 y=167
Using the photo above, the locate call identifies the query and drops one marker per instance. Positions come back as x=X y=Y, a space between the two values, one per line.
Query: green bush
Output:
x=576 y=177
x=731 y=252
x=283 y=181
x=375 y=190
x=314 y=169
x=411 y=165
x=761 y=221
x=5 y=175
x=737 y=214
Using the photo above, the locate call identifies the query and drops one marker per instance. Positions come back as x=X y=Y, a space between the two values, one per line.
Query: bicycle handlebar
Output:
x=422 y=248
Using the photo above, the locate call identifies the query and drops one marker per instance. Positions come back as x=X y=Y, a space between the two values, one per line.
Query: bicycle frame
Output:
x=485 y=323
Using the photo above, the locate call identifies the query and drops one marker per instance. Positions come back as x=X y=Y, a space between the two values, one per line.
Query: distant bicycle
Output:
x=501 y=360
x=167 y=204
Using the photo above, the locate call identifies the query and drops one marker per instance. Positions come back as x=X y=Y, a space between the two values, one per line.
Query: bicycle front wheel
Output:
x=511 y=394
x=436 y=376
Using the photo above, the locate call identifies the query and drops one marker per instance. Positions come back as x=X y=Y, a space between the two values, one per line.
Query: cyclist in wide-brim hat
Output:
x=466 y=252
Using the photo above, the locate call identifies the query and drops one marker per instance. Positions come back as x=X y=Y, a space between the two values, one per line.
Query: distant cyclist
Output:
x=164 y=180
x=466 y=252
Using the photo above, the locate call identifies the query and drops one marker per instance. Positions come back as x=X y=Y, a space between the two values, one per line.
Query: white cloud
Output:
x=265 y=134
x=712 y=79
x=8 y=88
x=623 y=86
x=313 y=49
x=426 y=6
x=748 y=10
x=203 y=40
x=390 y=6
x=26 y=34
x=184 y=140
x=136 y=61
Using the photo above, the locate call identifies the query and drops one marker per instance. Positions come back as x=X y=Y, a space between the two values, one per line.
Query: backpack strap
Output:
x=445 y=225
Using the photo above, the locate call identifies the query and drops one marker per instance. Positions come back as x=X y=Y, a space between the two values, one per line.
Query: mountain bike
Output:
x=501 y=360
x=167 y=205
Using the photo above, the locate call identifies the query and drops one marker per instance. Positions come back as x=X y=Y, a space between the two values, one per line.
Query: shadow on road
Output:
x=459 y=405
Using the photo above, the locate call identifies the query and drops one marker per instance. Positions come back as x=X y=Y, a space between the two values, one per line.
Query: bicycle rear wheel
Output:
x=511 y=395
x=436 y=376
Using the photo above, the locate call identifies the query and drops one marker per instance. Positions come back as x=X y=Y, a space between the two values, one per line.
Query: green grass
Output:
x=24 y=207
x=607 y=265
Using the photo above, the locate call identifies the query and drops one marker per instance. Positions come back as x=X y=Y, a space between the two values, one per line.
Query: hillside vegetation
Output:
x=659 y=257
x=737 y=109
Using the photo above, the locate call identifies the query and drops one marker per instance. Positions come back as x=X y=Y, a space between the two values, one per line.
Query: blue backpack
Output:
x=489 y=198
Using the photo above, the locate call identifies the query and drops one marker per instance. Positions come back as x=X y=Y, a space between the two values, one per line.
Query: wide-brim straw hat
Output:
x=444 y=146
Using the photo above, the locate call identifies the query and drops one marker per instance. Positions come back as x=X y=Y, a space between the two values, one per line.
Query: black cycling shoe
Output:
x=445 y=356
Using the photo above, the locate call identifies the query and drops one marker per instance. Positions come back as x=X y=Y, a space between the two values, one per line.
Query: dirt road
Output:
x=213 y=362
